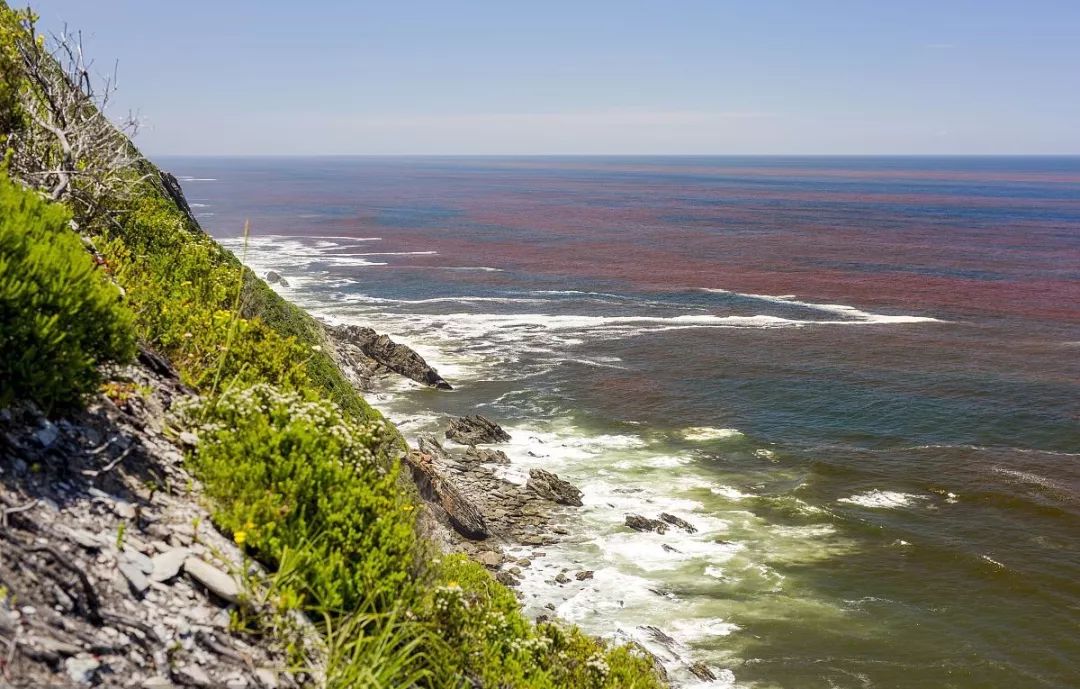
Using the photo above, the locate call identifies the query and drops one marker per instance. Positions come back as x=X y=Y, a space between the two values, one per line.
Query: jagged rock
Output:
x=485 y=455
x=702 y=671
x=172 y=188
x=639 y=523
x=584 y=574
x=274 y=278
x=435 y=488
x=660 y=636
x=561 y=578
x=676 y=521
x=216 y=582
x=476 y=430
x=506 y=579
x=387 y=353
x=431 y=446
x=489 y=558
x=168 y=564
x=670 y=549
x=550 y=486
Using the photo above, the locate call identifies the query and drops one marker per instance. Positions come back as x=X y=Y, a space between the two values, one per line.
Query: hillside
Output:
x=194 y=492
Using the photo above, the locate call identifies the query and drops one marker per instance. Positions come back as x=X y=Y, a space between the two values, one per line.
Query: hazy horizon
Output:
x=631 y=78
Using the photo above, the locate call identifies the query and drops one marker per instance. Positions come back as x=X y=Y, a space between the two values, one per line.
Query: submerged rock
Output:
x=702 y=671
x=386 y=353
x=476 y=430
x=679 y=522
x=550 y=486
x=639 y=523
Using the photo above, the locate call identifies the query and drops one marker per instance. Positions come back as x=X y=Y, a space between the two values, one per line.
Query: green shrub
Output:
x=59 y=315
x=489 y=640
x=287 y=473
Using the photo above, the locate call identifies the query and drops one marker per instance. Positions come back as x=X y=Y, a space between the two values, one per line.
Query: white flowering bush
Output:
x=289 y=473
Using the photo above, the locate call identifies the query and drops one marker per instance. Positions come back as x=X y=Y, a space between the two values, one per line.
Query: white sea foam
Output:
x=855 y=314
x=883 y=499
x=710 y=433
x=186 y=178
x=729 y=492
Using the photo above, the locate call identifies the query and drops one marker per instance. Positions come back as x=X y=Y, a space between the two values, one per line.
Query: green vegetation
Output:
x=59 y=315
x=295 y=465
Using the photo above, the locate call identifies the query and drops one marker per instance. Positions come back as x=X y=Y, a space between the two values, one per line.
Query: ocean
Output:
x=858 y=378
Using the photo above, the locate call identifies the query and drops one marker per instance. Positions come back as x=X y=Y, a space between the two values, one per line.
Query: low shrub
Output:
x=286 y=473
x=59 y=315
x=489 y=641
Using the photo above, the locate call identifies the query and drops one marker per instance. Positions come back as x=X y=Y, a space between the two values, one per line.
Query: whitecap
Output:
x=883 y=499
x=710 y=433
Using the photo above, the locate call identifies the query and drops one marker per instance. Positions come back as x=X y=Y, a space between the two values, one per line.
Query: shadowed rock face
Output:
x=550 y=486
x=463 y=515
x=476 y=430
x=377 y=351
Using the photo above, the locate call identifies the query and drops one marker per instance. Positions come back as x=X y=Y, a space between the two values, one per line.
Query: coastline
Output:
x=500 y=513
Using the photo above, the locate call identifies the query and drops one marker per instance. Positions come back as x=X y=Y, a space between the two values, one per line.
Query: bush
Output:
x=290 y=474
x=489 y=640
x=59 y=315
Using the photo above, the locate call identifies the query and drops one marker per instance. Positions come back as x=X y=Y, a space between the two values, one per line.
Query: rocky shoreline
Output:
x=471 y=505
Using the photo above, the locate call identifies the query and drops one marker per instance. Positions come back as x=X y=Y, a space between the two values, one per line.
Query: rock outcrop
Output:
x=476 y=430
x=639 y=523
x=485 y=455
x=367 y=353
x=679 y=522
x=112 y=571
x=435 y=488
x=274 y=278
x=550 y=486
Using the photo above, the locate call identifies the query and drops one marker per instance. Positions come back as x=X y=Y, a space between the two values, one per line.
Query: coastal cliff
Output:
x=195 y=492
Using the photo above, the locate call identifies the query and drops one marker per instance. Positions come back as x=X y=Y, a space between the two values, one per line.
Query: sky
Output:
x=240 y=77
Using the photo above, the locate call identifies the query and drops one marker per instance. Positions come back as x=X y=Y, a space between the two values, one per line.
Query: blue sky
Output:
x=625 y=77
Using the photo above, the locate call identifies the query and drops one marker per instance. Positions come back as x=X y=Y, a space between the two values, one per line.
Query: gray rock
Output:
x=267 y=678
x=561 y=578
x=84 y=538
x=639 y=523
x=188 y=439
x=47 y=434
x=136 y=558
x=476 y=430
x=134 y=575
x=702 y=671
x=387 y=353
x=676 y=521
x=461 y=512
x=486 y=456
x=193 y=676
x=274 y=278
x=216 y=582
x=550 y=486
x=168 y=564
x=157 y=683
x=584 y=574
x=82 y=668
x=489 y=558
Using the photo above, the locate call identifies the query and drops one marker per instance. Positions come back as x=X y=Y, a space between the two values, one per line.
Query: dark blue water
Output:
x=857 y=376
